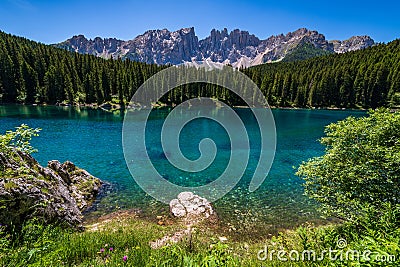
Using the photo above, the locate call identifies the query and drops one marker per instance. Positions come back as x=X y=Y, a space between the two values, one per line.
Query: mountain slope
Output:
x=31 y=72
x=305 y=51
x=238 y=48
x=368 y=78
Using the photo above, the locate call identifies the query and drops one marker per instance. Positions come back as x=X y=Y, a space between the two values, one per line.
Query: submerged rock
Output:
x=191 y=207
x=58 y=193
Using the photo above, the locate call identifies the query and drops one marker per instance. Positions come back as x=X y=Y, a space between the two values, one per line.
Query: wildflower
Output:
x=111 y=248
x=106 y=245
x=102 y=250
x=125 y=258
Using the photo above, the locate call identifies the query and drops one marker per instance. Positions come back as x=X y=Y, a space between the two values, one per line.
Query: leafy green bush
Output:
x=19 y=139
x=360 y=168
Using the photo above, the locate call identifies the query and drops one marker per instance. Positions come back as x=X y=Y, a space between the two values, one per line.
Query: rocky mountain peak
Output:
x=301 y=31
x=238 y=48
x=242 y=39
x=163 y=46
x=222 y=46
x=352 y=44
x=98 y=46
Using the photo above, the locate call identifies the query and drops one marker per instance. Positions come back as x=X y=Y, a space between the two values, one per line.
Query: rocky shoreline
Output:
x=110 y=107
x=58 y=193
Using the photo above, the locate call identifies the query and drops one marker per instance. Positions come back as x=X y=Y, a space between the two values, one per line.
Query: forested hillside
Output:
x=364 y=78
x=305 y=51
x=31 y=72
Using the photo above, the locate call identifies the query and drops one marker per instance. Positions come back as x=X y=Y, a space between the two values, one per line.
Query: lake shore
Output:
x=117 y=107
x=92 y=139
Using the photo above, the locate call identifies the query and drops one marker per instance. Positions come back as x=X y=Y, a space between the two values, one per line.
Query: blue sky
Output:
x=51 y=21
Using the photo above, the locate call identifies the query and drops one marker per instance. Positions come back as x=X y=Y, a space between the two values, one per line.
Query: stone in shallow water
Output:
x=191 y=207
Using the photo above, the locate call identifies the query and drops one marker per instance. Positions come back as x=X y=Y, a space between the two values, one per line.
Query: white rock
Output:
x=185 y=196
x=192 y=207
x=178 y=210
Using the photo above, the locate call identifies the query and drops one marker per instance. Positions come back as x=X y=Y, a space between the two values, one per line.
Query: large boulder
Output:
x=58 y=193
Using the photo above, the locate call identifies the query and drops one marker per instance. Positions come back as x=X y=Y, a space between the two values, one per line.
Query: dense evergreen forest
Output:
x=31 y=72
x=365 y=78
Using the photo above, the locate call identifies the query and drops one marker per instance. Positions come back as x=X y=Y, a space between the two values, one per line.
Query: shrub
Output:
x=19 y=139
x=360 y=168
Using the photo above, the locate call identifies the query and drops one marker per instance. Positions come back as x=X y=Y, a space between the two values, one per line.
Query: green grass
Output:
x=38 y=245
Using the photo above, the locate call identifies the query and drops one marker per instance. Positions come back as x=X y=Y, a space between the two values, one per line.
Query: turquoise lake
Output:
x=92 y=139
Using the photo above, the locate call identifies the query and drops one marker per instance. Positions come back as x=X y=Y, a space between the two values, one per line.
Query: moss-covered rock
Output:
x=57 y=193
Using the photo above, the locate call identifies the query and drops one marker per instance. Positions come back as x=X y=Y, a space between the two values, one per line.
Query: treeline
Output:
x=31 y=72
x=364 y=78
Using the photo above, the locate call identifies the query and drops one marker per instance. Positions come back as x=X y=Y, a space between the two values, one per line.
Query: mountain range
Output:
x=237 y=48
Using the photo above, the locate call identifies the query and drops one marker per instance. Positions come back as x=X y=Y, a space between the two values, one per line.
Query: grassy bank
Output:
x=124 y=241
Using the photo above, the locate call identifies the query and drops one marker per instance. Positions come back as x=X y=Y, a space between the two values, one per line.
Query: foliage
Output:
x=19 y=139
x=126 y=243
x=39 y=245
x=360 y=168
x=31 y=72
x=367 y=78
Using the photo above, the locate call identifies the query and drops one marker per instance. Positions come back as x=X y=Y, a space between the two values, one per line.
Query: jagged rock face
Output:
x=155 y=46
x=277 y=47
x=99 y=47
x=238 y=48
x=352 y=44
x=163 y=46
x=58 y=193
x=221 y=46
